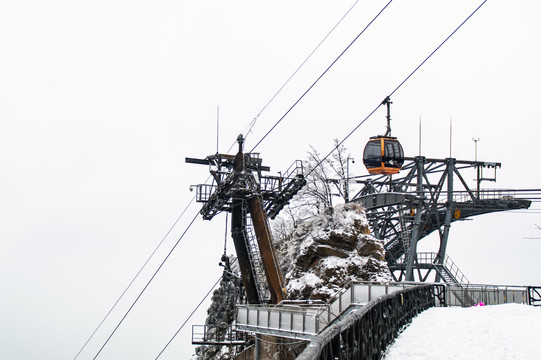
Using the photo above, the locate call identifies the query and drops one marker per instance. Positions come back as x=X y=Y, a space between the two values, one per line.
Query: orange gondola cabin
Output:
x=383 y=155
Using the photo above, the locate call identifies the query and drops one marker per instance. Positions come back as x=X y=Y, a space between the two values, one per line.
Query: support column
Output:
x=238 y=228
x=440 y=258
x=416 y=233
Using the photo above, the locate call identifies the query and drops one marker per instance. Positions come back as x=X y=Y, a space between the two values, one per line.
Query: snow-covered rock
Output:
x=329 y=250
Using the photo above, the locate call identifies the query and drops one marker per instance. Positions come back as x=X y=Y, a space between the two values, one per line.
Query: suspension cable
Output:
x=189 y=317
x=432 y=53
x=396 y=89
x=148 y=283
x=323 y=74
x=263 y=138
x=134 y=278
x=250 y=126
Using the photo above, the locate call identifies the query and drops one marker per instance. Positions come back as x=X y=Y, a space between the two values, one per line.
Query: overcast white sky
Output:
x=101 y=101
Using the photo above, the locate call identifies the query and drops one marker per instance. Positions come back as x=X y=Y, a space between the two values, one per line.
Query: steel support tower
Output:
x=428 y=195
x=239 y=187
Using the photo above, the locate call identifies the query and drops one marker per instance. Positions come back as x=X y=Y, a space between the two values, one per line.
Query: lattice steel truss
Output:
x=424 y=198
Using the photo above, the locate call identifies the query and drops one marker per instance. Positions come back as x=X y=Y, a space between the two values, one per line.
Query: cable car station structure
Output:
x=428 y=196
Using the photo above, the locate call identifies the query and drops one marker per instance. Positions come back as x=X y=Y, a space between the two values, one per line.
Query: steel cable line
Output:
x=189 y=317
x=247 y=130
x=323 y=74
x=432 y=53
x=148 y=283
x=395 y=90
x=141 y=269
x=134 y=278
x=274 y=126
x=250 y=126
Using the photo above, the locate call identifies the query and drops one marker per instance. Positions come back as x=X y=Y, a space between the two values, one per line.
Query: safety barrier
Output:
x=366 y=333
x=491 y=295
x=297 y=322
x=216 y=335
x=364 y=318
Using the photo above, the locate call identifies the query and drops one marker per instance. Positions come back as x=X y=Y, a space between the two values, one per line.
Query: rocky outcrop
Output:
x=328 y=251
x=319 y=258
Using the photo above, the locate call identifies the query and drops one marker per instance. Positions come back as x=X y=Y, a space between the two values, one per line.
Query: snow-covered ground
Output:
x=509 y=331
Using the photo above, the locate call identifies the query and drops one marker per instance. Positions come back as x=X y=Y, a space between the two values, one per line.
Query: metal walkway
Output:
x=304 y=322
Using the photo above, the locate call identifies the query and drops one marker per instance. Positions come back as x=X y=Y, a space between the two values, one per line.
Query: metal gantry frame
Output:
x=239 y=187
x=428 y=195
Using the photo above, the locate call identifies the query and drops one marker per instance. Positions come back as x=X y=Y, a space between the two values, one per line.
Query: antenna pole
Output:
x=420 y=134
x=217 y=128
x=450 y=137
x=476 y=140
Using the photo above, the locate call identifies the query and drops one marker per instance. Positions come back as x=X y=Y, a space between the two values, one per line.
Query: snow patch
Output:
x=509 y=331
x=308 y=279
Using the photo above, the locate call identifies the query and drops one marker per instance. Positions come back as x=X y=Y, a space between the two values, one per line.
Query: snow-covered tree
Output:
x=326 y=185
x=222 y=313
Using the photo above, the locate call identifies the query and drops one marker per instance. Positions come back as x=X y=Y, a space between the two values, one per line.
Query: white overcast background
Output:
x=101 y=101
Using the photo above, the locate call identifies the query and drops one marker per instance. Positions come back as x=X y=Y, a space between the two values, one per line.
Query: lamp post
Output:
x=346 y=188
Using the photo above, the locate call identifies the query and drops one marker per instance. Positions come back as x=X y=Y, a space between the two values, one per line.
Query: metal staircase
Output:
x=405 y=232
x=255 y=257
x=448 y=272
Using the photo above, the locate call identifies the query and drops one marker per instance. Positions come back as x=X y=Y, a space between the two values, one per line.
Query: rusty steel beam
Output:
x=266 y=249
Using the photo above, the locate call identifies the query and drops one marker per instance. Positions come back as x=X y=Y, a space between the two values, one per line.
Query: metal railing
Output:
x=483 y=194
x=295 y=169
x=306 y=322
x=212 y=335
x=365 y=317
x=489 y=294
x=449 y=266
x=454 y=271
x=366 y=333
x=287 y=321
x=354 y=295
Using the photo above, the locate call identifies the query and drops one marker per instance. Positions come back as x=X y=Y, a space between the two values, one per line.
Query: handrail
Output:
x=295 y=168
x=367 y=333
x=206 y=335
x=448 y=264
x=487 y=294
x=306 y=322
